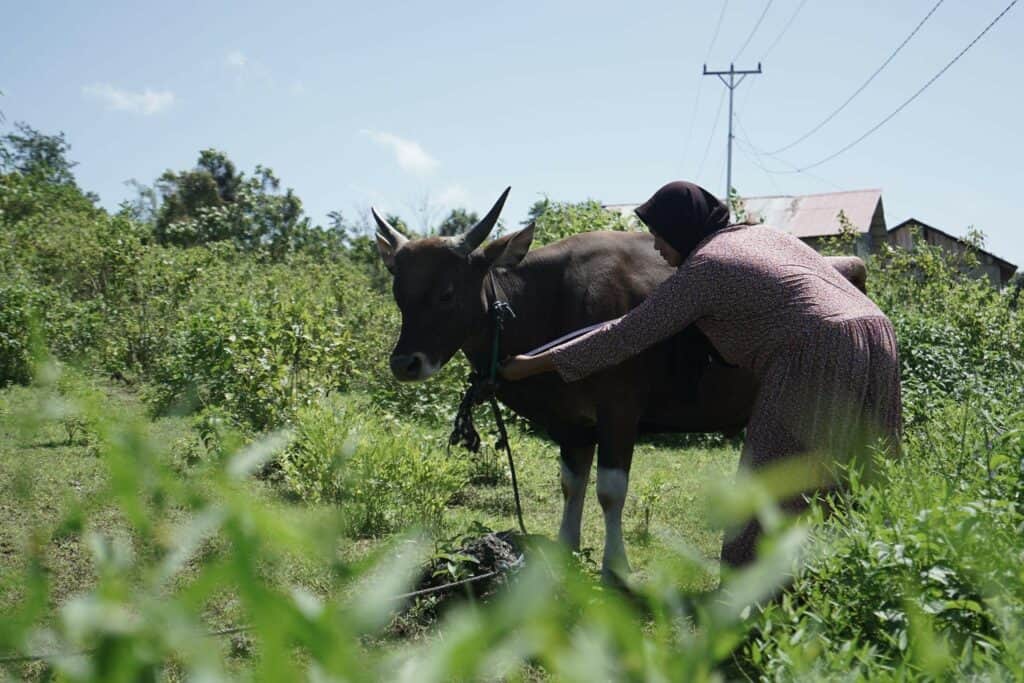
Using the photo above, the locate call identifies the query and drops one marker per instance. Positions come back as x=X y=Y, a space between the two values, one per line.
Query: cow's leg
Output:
x=616 y=435
x=576 y=463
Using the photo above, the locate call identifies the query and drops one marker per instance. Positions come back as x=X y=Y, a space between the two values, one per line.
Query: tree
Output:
x=215 y=202
x=32 y=153
x=457 y=222
x=399 y=224
x=537 y=210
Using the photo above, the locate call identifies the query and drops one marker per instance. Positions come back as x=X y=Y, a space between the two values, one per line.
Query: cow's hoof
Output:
x=616 y=579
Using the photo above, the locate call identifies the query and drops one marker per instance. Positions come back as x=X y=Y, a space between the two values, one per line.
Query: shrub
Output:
x=959 y=337
x=923 y=574
x=386 y=476
x=558 y=220
x=296 y=332
x=18 y=312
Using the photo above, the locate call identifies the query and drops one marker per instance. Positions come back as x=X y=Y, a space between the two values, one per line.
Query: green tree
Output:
x=216 y=202
x=30 y=152
x=457 y=222
x=537 y=210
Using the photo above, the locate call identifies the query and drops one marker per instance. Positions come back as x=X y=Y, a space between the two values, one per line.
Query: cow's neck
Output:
x=519 y=335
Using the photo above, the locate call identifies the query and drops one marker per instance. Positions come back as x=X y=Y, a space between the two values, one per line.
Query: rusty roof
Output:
x=815 y=215
x=810 y=215
x=910 y=222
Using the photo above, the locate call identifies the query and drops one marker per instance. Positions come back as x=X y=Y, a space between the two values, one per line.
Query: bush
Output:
x=19 y=308
x=959 y=337
x=386 y=476
x=924 y=575
x=558 y=220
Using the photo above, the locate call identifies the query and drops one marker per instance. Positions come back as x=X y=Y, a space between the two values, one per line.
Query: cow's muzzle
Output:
x=412 y=367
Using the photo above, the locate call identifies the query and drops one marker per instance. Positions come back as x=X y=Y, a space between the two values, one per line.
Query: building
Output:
x=816 y=217
x=989 y=265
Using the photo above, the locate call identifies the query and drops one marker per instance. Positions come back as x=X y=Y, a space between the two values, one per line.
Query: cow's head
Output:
x=439 y=287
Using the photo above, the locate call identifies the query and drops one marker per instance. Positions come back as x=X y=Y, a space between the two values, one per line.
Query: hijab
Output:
x=683 y=214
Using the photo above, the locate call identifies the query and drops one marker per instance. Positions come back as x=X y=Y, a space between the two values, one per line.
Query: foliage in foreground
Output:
x=922 y=576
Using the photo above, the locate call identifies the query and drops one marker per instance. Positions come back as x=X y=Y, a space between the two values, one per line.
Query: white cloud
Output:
x=297 y=88
x=145 y=102
x=236 y=59
x=409 y=154
x=453 y=196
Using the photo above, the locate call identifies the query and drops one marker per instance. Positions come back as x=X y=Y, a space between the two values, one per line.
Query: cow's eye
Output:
x=447 y=295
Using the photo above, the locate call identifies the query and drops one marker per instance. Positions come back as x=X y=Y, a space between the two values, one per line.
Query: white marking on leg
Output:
x=612 y=484
x=574 y=490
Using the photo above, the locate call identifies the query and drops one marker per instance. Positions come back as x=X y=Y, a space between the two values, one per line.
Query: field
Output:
x=198 y=433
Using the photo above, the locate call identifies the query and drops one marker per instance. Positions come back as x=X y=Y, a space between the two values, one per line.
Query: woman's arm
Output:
x=674 y=304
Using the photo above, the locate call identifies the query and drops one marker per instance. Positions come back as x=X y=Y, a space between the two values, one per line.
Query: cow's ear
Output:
x=387 y=253
x=509 y=250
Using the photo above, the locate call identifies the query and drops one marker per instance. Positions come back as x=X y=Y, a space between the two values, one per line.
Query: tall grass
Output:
x=918 y=575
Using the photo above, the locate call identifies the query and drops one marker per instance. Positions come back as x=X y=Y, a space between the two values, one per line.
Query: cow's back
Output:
x=597 y=276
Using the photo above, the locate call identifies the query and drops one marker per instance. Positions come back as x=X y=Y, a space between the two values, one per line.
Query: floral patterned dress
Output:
x=825 y=355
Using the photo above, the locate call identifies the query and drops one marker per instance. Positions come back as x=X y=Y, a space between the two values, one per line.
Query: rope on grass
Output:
x=21 y=659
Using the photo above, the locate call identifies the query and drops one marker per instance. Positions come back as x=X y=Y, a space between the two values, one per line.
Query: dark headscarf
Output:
x=683 y=214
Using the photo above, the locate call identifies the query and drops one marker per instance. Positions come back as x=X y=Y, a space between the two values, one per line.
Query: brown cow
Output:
x=444 y=286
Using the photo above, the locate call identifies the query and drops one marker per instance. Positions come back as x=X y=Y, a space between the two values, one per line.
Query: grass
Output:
x=45 y=469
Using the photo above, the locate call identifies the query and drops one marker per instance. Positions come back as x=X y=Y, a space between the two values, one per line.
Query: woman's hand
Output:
x=521 y=367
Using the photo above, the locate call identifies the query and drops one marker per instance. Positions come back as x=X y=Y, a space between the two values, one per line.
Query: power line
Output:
x=718 y=113
x=753 y=30
x=718 y=27
x=912 y=97
x=789 y=23
x=778 y=39
x=744 y=139
x=700 y=81
x=859 y=90
x=753 y=160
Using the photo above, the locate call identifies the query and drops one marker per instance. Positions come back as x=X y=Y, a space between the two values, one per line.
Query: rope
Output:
x=482 y=388
x=503 y=443
x=18 y=659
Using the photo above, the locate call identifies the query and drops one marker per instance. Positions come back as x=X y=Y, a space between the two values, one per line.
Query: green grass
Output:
x=43 y=472
x=679 y=476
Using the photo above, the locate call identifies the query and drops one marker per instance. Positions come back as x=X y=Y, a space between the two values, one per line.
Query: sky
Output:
x=420 y=107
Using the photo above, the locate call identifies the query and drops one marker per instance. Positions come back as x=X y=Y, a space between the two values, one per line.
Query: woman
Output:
x=825 y=355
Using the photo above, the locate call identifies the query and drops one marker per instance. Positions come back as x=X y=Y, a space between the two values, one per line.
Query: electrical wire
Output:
x=700 y=80
x=865 y=84
x=744 y=138
x=750 y=157
x=789 y=23
x=753 y=30
x=711 y=138
x=909 y=99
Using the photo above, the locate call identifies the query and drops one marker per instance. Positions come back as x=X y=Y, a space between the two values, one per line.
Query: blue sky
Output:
x=413 y=105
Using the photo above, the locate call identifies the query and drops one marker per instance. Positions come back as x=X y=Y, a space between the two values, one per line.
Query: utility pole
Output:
x=731 y=84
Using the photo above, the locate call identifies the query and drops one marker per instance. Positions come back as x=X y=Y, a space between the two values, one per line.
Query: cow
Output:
x=444 y=287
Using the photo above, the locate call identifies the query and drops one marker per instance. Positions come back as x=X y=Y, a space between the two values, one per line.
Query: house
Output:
x=815 y=217
x=989 y=265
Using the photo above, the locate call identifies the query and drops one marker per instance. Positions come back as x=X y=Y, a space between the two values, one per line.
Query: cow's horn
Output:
x=388 y=233
x=475 y=236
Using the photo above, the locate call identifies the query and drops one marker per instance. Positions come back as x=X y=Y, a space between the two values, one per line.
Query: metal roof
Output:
x=1012 y=267
x=815 y=215
x=811 y=215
